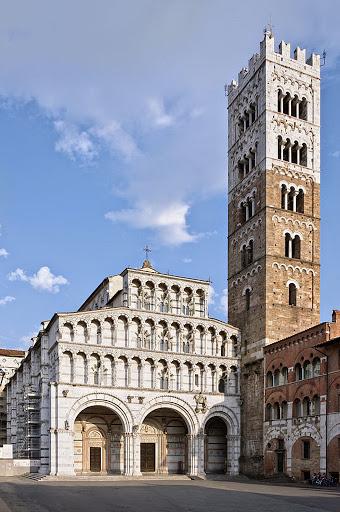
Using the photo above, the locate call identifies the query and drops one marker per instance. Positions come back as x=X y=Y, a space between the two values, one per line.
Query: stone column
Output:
x=290 y=106
x=298 y=109
x=192 y=454
x=201 y=452
x=128 y=453
x=281 y=103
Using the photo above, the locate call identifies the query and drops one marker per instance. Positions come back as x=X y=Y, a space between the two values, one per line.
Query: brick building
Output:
x=302 y=402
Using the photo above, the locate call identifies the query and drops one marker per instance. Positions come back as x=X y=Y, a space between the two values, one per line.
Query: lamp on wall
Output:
x=2 y=375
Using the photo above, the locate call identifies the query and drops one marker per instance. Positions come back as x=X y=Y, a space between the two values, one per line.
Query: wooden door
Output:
x=95 y=459
x=147 y=457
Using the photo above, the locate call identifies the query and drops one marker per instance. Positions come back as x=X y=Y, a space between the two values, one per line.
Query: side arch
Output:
x=227 y=415
x=104 y=400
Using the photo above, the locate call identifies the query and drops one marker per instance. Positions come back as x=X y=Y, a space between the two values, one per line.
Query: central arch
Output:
x=164 y=443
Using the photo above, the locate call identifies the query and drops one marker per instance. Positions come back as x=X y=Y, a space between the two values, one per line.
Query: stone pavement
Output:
x=23 y=495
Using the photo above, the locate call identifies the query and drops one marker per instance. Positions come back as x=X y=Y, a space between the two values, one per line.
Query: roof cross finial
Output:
x=147 y=250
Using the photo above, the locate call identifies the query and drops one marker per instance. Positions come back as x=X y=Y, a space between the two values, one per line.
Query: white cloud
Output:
x=159 y=116
x=4 y=253
x=44 y=279
x=86 y=145
x=6 y=300
x=73 y=142
x=117 y=140
x=168 y=220
x=224 y=301
x=187 y=260
x=211 y=297
x=336 y=154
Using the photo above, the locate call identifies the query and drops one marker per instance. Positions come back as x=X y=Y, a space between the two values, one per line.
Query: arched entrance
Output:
x=98 y=441
x=215 y=449
x=163 y=443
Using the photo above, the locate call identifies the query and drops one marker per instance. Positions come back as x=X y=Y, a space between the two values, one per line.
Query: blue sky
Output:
x=113 y=129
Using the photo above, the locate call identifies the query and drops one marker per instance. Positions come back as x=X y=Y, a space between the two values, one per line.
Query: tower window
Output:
x=292 y=294
x=292 y=246
x=247 y=296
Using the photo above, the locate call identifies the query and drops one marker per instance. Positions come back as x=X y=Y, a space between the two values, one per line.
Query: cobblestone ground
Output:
x=23 y=495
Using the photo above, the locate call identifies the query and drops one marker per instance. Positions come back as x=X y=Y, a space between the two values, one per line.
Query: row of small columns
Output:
x=172 y=382
x=292 y=148
x=249 y=207
x=247 y=164
x=290 y=100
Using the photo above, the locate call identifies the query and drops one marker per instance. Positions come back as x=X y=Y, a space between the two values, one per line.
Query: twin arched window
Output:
x=292 y=246
x=247 y=254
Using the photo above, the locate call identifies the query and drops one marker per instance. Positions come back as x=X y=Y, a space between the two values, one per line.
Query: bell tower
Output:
x=273 y=214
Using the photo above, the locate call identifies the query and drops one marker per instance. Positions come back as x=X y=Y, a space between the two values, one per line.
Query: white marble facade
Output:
x=139 y=379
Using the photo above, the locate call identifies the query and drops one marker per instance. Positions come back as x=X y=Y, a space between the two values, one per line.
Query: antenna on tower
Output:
x=323 y=61
x=268 y=29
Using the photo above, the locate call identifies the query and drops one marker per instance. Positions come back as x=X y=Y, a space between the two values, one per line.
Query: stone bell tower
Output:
x=274 y=214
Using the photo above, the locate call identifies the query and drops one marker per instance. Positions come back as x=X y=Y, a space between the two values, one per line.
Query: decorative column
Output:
x=281 y=103
x=290 y=106
x=289 y=152
x=192 y=443
x=128 y=453
x=295 y=193
x=201 y=436
x=286 y=199
x=298 y=109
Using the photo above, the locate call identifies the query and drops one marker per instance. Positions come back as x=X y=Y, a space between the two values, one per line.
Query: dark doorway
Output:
x=280 y=456
x=95 y=459
x=147 y=457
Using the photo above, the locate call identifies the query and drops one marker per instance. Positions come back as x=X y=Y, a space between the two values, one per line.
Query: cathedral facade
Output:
x=138 y=380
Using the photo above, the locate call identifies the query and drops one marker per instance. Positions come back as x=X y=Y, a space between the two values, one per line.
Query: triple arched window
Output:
x=292 y=151
x=292 y=198
x=308 y=369
x=292 y=105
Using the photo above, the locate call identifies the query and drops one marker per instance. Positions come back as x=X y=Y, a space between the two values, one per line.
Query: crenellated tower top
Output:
x=298 y=62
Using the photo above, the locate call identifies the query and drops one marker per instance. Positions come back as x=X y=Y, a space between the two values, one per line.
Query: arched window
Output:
x=250 y=252
x=284 y=376
x=223 y=350
x=276 y=377
x=284 y=410
x=296 y=247
x=298 y=372
x=284 y=197
x=315 y=409
x=300 y=201
x=316 y=367
x=303 y=155
x=303 y=110
x=234 y=346
x=288 y=245
x=277 y=411
x=269 y=380
x=306 y=406
x=269 y=411
x=307 y=370
x=297 y=408
x=292 y=294
x=247 y=296
x=221 y=385
x=244 y=256
x=291 y=199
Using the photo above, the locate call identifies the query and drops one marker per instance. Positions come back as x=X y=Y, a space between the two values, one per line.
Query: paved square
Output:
x=23 y=495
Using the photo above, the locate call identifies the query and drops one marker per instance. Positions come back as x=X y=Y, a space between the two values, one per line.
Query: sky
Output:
x=113 y=135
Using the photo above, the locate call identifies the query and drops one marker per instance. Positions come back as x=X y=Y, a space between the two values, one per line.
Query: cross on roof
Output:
x=147 y=250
